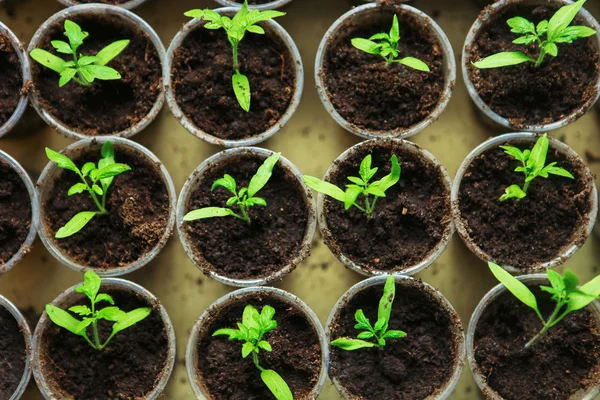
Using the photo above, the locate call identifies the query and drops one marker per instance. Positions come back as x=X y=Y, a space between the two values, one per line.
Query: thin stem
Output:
x=526 y=186
x=93 y=195
x=107 y=340
x=551 y=322
x=245 y=215
x=236 y=64
x=85 y=336
x=368 y=206
x=373 y=204
x=541 y=58
x=255 y=359
x=95 y=326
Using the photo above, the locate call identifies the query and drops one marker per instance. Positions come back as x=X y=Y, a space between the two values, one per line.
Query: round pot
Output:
x=100 y=10
x=567 y=251
x=26 y=74
x=26 y=246
x=191 y=127
x=129 y=5
x=199 y=331
x=51 y=173
x=328 y=235
x=196 y=179
x=403 y=281
x=49 y=388
x=491 y=116
x=272 y=5
x=368 y=11
x=4 y=302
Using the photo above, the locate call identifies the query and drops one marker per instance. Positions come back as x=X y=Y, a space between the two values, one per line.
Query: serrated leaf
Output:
x=262 y=176
x=521 y=25
x=525 y=39
x=234 y=334
x=513 y=285
x=81 y=310
x=75 y=34
x=542 y=27
x=266 y=315
x=91 y=285
x=208 y=212
x=105 y=297
x=196 y=13
x=375 y=190
x=227 y=182
x=356 y=180
x=131 y=318
x=110 y=52
x=556 y=280
x=503 y=59
x=571 y=281
x=112 y=170
x=256 y=29
x=250 y=317
x=363 y=322
x=62 y=47
x=514 y=152
x=86 y=60
x=263 y=344
x=77 y=223
x=66 y=76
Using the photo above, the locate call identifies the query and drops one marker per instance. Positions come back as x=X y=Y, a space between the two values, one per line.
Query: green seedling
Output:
x=386 y=46
x=94 y=180
x=360 y=185
x=243 y=199
x=82 y=69
x=252 y=331
x=557 y=30
x=378 y=334
x=564 y=290
x=534 y=165
x=122 y=320
x=236 y=28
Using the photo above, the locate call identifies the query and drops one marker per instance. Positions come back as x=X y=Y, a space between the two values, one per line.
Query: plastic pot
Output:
x=129 y=5
x=272 y=5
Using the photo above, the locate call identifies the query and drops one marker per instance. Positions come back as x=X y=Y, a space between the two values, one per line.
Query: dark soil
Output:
x=372 y=96
x=235 y=249
x=525 y=94
x=411 y=368
x=12 y=79
x=296 y=354
x=138 y=206
x=15 y=213
x=12 y=354
x=105 y=107
x=201 y=74
x=564 y=361
x=406 y=225
x=128 y=368
x=530 y=231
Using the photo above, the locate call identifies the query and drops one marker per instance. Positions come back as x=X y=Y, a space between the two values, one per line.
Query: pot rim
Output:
x=272 y=5
x=128 y=5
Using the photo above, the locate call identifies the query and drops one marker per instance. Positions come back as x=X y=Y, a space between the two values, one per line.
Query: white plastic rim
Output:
x=449 y=66
x=199 y=331
x=129 y=5
x=190 y=126
x=66 y=299
x=489 y=298
x=526 y=137
x=328 y=236
x=485 y=16
x=401 y=280
x=26 y=245
x=51 y=171
x=272 y=5
x=115 y=12
x=196 y=178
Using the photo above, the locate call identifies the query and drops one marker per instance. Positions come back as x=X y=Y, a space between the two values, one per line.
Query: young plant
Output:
x=386 y=46
x=557 y=30
x=82 y=69
x=564 y=291
x=95 y=181
x=379 y=333
x=91 y=316
x=252 y=331
x=534 y=165
x=360 y=185
x=236 y=28
x=243 y=199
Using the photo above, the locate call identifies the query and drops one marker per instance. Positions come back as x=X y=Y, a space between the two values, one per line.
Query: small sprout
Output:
x=534 y=165
x=251 y=331
x=244 y=198
x=359 y=186
x=236 y=28
x=386 y=46
x=100 y=180
x=91 y=316
x=564 y=291
x=83 y=69
x=557 y=30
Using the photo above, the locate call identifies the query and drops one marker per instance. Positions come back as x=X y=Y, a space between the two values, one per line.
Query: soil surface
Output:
x=523 y=93
x=12 y=79
x=12 y=354
x=137 y=205
x=406 y=225
x=534 y=229
x=104 y=107
x=15 y=213
x=562 y=362
x=370 y=95
x=274 y=236
x=128 y=368
x=201 y=74
x=296 y=354
x=411 y=368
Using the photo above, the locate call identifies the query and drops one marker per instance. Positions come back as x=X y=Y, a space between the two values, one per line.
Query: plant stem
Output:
x=551 y=322
x=245 y=215
x=95 y=326
x=255 y=359
x=526 y=186
x=234 y=45
x=541 y=58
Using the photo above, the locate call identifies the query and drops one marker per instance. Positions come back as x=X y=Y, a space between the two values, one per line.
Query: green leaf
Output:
x=111 y=314
x=66 y=76
x=110 y=52
x=112 y=170
x=48 y=60
x=571 y=281
x=392 y=178
x=241 y=88
x=365 y=168
x=97 y=190
x=521 y=25
x=366 y=45
x=589 y=292
x=266 y=315
x=62 y=47
x=61 y=160
x=75 y=34
x=256 y=29
x=262 y=176
x=324 y=187
x=556 y=280
x=266 y=15
x=105 y=297
x=525 y=39
x=131 y=318
x=395 y=31
x=87 y=168
x=107 y=150
x=394 y=335
x=513 y=192
x=101 y=72
x=365 y=335
x=247 y=349
x=194 y=14
x=537 y=159
x=363 y=321
x=558 y=171
x=414 y=63
x=504 y=59
x=516 y=287
x=234 y=334
x=77 y=223
x=351 y=195
x=76 y=189
x=356 y=180
x=592 y=287
x=349 y=344
x=563 y=18
x=82 y=326
x=542 y=27
x=276 y=385
x=514 y=152
x=251 y=317
x=385 y=304
x=231 y=201
x=551 y=49
x=256 y=201
x=208 y=212
x=263 y=344
x=375 y=190
x=81 y=310
x=227 y=182
x=91 y=285
x=381 y=36
x=62 y=318
x=575 y=32
x=86 y=60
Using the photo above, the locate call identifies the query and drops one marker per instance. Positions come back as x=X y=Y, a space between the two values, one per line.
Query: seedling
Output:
x=82 y=69
x=236 y=28
x=534 y=165
x=386 y=46
x=91 y=316
x=564 y=291
x=378 y=334
x=243 y=199
x=360 y=185
x=95 y=181
x=251 y=331
x=557 y=30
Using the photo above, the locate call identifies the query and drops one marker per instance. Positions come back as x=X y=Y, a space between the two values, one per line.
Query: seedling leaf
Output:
x=276 y=385
x=77 y=223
